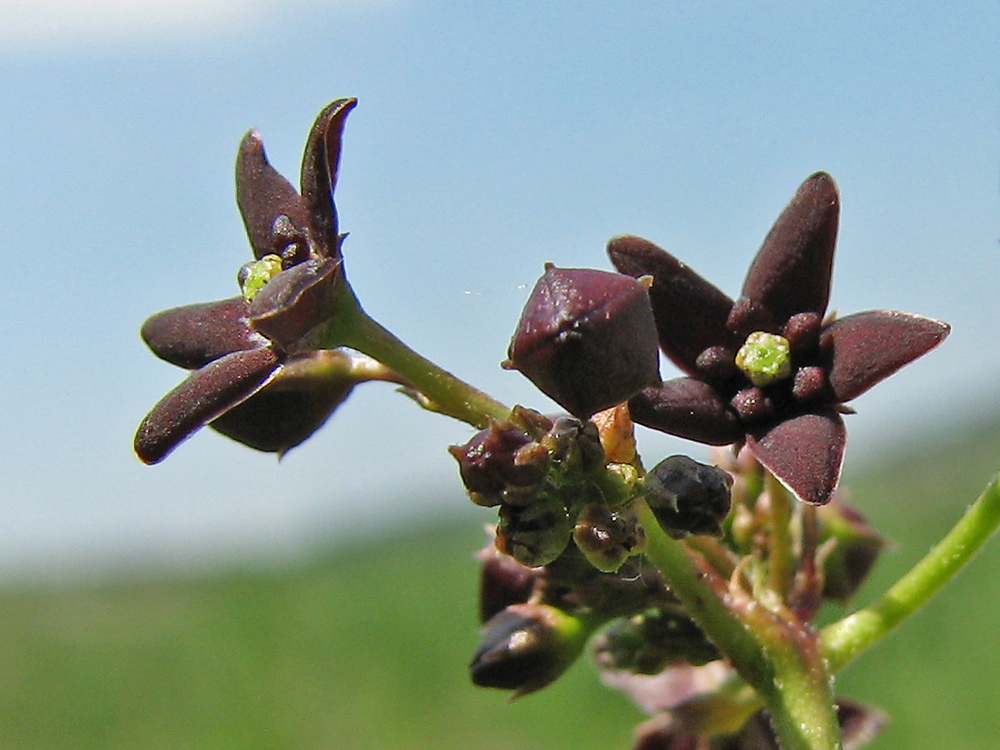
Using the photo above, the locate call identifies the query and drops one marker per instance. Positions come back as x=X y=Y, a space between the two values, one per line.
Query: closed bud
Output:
x=527 y=646
x=854 y=546
x=649 y=642
x=688 y=497
x=587 y=339
x=534 y=534
x=501 y=463
x=608 y=536
x=503 y=581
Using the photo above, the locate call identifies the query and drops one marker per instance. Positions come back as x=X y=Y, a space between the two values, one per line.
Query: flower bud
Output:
x=527 y=646
x=501 y=463
x=608 y=536
x=503 y=581
x=854 y=545
x=534 y=534
x=649 y=642
x=587 y=339
x=688 y=497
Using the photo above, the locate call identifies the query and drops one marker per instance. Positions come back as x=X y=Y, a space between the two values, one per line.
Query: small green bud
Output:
x=649 y=642
x=764 y=358
x=853 y=545
x=534 y=534
x=254 y=275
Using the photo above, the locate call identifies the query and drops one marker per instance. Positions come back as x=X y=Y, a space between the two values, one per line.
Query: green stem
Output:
x=769 y=649
x=437 y=389
x=844 y=640
x=703 y=594
x=780 y=553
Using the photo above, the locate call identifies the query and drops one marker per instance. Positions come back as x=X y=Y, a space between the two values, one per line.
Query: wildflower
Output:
x=767 y=369
x=253 y=353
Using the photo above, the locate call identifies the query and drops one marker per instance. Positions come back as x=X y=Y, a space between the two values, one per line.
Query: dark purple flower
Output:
x=251 y=356
x=767 y=368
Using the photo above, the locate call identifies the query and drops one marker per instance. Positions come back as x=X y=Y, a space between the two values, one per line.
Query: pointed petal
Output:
x=805 y=453
x=687 y=408
x=207 y=393
x=295 y=301
x=263 y=195
x=690 y=313
x=319 y=172
x=791 y=273
x=194 y=335
x=293 y=404
x=867 y=347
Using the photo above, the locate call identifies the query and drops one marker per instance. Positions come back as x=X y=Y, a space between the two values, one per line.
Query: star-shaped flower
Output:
x=254 y=368
x=768 y=369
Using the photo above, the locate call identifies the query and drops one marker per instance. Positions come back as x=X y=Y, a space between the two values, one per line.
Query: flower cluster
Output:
x=667 y=567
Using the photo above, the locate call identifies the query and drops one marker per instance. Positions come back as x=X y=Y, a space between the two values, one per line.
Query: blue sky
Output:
x=489 y=139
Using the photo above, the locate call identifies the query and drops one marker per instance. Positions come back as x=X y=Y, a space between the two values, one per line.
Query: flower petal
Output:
x=292 y=405
x=805 y=453
x=867 y=347
x=295 y=301
x=194 y=335
x=792 y=270
x=263 y=195
x=319 y=173
x=687 y=408
x=690 y=312
x=207 y=393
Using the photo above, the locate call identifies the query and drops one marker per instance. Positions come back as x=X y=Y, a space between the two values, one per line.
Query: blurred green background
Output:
x=366 y=645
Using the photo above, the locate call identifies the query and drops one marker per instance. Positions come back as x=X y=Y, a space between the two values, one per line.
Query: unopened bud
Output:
x=534 y=534
x=527 y=646
x=608 y=536
x=587 y=339
x=501 y=464
x=503 y=581
x=649 y=642
x=688 y=497
x=854 y=546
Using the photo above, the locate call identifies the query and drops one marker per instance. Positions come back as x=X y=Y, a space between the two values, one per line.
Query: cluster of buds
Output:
x=567 y=558
x=545 y=474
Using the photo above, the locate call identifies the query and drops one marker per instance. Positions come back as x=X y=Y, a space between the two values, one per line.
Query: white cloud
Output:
x=45 y=26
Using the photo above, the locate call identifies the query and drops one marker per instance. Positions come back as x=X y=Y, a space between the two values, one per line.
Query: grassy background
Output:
x=366 y=646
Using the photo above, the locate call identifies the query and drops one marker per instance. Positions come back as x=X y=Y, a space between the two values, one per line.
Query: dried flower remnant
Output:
x=767 y=369
x=255 y=375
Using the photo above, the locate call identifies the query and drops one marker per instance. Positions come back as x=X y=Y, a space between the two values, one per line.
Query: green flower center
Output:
x=254 y=275
x=764 y=358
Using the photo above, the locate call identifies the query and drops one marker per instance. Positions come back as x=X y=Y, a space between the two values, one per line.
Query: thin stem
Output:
x=769 y=649
x=702 y=593
x=780 y=553
x=436 y=389
x=844 y=640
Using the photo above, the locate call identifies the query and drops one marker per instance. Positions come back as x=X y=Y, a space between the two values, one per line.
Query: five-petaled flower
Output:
x=768 y=369
x=254 y=368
